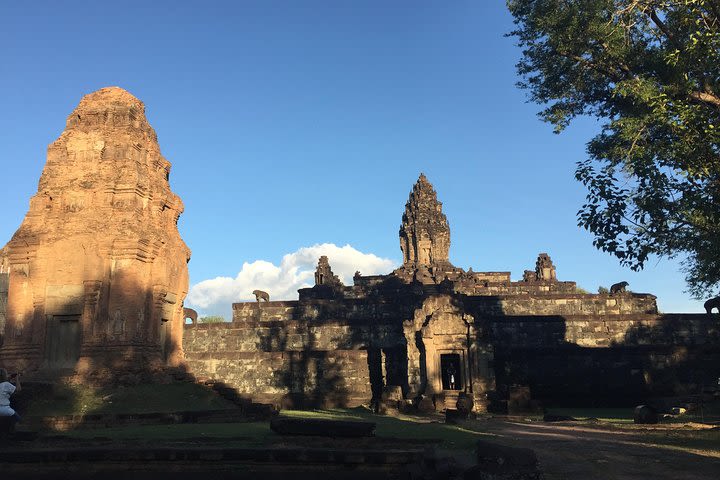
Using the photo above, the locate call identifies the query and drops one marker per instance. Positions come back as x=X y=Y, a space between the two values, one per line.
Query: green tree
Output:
x=650 y=70
x=211 y=319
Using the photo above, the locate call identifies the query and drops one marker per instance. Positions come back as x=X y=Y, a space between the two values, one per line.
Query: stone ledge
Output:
x=214 y=454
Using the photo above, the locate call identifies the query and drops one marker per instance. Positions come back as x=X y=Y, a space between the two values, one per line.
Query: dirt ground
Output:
x=588 y=452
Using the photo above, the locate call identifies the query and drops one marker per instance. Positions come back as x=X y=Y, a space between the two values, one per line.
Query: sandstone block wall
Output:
x=278 y=363
x=564 y=304
x=607 y=360
x=606 y=330
x=308 y=350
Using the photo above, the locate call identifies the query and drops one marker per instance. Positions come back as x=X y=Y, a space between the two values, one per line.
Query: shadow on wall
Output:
x=95 y=336
x=664 y=355
x=312 y=377
x=680 y=353
x=98 y=333
x=341 y=351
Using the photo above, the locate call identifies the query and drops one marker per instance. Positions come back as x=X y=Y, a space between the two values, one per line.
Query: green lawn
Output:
x=392 y=432
x=416 y=431
x=404 y=427
x=228 y=434
x=70 y=399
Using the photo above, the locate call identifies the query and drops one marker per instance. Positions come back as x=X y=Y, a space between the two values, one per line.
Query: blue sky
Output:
x=292 y=124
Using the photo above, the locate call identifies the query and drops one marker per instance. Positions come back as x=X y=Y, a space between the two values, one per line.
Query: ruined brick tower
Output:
x=97 y=269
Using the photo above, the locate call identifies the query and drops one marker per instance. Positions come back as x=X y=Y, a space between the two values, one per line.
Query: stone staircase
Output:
x=451 y=398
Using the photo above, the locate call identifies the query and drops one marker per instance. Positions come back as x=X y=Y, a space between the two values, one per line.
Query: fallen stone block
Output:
x=645 y=414
x=548 y=417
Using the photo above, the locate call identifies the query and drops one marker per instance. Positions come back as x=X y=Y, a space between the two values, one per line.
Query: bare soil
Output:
x=586 y=451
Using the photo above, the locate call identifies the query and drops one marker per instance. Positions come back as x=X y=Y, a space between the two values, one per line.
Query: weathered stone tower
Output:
x=424 y=233
x=324 y=274
x=425 y=238
x=97 y=269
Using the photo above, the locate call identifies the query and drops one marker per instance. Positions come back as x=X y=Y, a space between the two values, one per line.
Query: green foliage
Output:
x=581 y=290
x=211 y=319
x=603 y=290
x=650 y=70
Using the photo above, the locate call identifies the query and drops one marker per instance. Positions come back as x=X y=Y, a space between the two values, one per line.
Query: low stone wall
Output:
x=607 y=360
x=565 y=304
x=279 y=365
x=265 y=311
x=590 y=348
x=523 y=332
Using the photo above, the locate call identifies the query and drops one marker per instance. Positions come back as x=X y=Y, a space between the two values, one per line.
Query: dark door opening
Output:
x=164 y=339
x=451 y=371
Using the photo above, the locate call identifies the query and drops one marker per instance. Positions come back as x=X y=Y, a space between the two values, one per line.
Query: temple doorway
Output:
x=165 y=339
x=62 y=341
x=451 y=371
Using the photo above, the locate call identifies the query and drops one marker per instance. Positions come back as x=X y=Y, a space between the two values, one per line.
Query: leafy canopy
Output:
x=650 y=70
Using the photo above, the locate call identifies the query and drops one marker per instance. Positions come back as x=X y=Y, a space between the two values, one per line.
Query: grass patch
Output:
x=72 y=399
x=404 y=427
x=229 y=434
x=413 y=430
x=404 y=431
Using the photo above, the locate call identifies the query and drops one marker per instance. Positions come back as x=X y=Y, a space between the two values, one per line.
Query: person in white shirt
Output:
x=6 y=389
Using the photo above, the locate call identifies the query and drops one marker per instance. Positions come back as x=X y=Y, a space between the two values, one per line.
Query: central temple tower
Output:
x=424 y=233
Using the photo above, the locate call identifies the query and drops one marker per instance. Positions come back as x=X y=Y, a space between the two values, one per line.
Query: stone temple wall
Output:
x=564 y=304
x=304 y=351
x=281 y=362
x=607 y=359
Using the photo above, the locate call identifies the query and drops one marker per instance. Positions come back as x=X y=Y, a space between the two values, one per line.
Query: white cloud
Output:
x=296 y=270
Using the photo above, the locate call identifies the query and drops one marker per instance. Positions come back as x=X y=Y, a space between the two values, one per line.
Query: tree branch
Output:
x=614 y=76
x=714 y=9
x=705 y=97
x=664 y=29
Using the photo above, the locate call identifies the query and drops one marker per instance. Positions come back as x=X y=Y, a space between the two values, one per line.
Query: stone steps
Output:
x=451 y=399
x=269 y=463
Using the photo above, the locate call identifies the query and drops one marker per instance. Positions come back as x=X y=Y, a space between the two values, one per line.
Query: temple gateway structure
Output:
x=430 y=334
